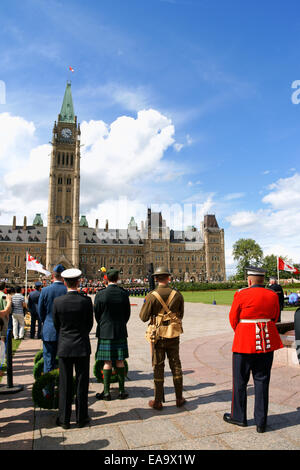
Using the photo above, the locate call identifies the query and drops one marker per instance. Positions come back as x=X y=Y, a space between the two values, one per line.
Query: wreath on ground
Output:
x=98 y=371
x=38 y=368
x=45 y=390
x=38 y=356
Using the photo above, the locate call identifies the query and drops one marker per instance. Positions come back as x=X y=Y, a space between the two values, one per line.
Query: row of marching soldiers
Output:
x=67 y=318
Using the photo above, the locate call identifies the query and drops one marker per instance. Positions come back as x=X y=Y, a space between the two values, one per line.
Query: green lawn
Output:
x=222 y=297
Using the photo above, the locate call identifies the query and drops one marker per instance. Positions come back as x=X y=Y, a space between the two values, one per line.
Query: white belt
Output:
x=260 y=320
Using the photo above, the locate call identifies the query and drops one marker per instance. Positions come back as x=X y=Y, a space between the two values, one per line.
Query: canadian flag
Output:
x=71 y=69
x=34 y=265
x=283 y=266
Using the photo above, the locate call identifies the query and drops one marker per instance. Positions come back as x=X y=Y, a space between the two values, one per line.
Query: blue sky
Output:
x=217 y=76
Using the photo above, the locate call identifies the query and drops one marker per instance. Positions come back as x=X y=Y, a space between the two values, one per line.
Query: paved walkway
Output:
x=130 y=424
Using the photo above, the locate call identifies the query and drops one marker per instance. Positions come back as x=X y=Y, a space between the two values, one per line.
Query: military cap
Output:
x=38 y=284
x=111 y=273
x=254 y=271
x=161 y=270
x=71 y=273
x=59 y=269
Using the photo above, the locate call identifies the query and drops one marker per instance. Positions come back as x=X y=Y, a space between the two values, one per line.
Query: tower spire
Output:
x=67 y=110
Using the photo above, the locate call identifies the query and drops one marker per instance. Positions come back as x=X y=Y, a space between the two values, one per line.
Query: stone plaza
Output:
x=132 y=425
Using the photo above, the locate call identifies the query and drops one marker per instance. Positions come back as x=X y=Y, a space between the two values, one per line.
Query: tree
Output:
x=246 y=252
x=270 y=265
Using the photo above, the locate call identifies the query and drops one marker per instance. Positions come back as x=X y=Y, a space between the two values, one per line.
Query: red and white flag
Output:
x=34 y=265
x=71 y=69
x=283 y=266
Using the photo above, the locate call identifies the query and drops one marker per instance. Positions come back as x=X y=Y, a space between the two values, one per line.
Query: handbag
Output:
x=166 y=324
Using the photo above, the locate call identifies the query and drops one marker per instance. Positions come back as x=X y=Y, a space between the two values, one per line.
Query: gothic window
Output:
x=69 y=181
x=62 y=240
x=58 y=158
x=67 y=159
x=63 y=159
x=72 y=159
x=60 y=180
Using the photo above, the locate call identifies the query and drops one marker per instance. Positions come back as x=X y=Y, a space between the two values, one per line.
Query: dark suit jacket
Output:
x=33 y=300
x=45 y=307
x=73 y=320
x=112 y=312
x=279 y=291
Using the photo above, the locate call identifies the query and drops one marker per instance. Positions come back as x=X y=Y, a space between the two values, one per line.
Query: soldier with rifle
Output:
x=164 y=307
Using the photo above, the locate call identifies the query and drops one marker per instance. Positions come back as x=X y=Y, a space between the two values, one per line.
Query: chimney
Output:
x=14 y=224
x=25 y=223
x=106 y=226
x=97 y=224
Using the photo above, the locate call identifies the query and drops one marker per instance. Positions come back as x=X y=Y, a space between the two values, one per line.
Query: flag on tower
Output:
x=34 y=265
x=283 y=266
x=71 y=69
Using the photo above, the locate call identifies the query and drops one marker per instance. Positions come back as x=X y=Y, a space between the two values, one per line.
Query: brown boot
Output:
x=157 y=405
x=180 y=402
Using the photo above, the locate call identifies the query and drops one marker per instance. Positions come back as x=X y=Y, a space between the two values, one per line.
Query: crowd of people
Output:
x=65 y=315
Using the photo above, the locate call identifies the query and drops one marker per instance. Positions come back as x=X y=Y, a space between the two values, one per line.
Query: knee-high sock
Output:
x=106 y=380
x=121 y=378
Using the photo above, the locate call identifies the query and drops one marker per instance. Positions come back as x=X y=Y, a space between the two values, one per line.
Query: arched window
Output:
x=62 y=240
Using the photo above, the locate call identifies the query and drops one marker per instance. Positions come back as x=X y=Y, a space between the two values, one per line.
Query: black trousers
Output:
x=82 y=371
x=35 y=318
x=260 y=365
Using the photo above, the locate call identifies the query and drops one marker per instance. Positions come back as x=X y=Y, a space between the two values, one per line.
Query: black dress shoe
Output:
x=228 y=419
x=63 y=425
x=103 y=396
x=83 y=423
x=260 y=428
x=123 y=395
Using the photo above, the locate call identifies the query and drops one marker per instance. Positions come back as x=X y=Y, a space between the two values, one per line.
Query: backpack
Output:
x=166 y=324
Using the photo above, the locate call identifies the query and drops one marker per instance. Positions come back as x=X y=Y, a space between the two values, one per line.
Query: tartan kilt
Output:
x=112 y=350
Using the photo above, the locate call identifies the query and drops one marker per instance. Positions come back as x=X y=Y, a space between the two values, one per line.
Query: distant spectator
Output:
x=293 y=298
x=33 y=300
x=18 y=306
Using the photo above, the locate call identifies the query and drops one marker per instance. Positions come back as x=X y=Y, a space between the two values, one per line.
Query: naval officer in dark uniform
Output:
x=73 y=320
x=253 y=316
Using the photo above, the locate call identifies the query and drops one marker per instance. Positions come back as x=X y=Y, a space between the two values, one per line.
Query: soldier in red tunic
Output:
x=253 y=315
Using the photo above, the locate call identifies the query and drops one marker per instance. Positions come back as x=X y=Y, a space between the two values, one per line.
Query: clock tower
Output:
x=64 y=189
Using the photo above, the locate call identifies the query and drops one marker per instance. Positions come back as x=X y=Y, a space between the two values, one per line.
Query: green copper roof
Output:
x=83 y=222
x=38 y=220
x=67 y=109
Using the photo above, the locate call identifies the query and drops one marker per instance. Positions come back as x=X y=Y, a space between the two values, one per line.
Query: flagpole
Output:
x=26 y=275
x=278 y=269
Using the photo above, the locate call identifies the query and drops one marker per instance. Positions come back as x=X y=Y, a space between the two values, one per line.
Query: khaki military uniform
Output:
x=165 y=346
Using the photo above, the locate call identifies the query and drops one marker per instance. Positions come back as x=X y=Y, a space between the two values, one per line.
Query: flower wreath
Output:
x=98 y=371
x=38 y=368
x=38 y=356
x=51 y=381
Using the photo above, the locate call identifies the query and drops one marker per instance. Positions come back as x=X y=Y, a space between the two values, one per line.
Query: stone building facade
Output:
x=193 y=253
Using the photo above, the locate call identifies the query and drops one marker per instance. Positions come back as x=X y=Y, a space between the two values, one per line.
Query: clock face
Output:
x=66 y=133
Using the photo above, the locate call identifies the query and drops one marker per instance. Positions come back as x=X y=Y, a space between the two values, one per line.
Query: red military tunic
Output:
x=255 y=303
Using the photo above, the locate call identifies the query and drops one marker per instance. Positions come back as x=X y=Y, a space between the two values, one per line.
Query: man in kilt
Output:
x=112 y=312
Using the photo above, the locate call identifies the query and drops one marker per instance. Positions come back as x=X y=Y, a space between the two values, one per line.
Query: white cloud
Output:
x=277 y=227
x=117 y=159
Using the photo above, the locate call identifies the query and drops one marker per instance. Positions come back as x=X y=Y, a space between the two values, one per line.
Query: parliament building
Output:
x=191 y=254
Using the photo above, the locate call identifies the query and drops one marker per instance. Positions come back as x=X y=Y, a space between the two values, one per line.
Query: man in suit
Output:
x=73 y=321
x=33 y=300
x=253 y=316
x=112 y=312
x=45 y=305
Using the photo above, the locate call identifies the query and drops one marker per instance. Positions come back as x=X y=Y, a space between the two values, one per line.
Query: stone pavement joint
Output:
x=131 y=424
